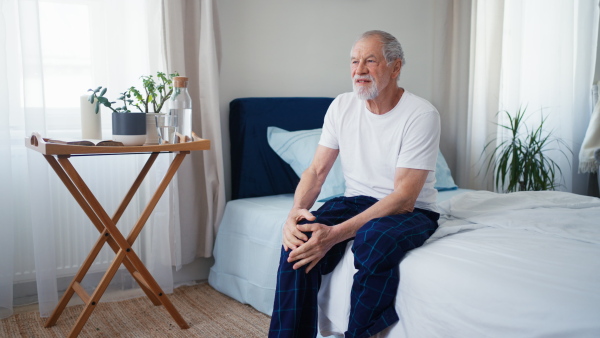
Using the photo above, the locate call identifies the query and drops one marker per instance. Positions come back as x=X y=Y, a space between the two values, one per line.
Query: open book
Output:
x=100 y=143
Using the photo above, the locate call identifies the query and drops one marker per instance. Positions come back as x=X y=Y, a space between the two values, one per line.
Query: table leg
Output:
x=105 y=237
x=98 y=292
x=107 y=226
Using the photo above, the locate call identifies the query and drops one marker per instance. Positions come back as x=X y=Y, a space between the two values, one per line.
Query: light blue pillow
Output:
x=443 y=176
x=297 y=149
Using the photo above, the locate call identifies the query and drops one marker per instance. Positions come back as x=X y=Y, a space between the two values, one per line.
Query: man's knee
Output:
x=284 y=265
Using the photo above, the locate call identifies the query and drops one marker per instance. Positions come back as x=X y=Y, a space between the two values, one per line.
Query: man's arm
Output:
x=306 y=193
x=407 y=186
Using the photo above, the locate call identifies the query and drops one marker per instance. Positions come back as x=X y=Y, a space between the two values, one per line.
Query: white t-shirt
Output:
x=372 y=146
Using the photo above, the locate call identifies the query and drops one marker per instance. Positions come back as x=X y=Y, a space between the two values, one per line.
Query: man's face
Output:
x=369 y=70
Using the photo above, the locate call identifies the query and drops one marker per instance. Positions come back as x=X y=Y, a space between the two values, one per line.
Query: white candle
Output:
x=90 y=121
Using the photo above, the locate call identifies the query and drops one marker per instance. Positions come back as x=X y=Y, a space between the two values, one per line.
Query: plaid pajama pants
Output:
x=378 y=247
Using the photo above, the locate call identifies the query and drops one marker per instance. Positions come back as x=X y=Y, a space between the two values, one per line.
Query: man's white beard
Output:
x=365 y=92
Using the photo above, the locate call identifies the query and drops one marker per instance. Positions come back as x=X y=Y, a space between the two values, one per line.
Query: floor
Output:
x=75 y=300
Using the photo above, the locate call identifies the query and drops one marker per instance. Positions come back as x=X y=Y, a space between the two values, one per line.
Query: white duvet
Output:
x=569 y=216
x=500 y=265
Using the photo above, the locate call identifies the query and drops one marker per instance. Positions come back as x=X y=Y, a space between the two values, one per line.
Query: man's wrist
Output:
x=342 y=232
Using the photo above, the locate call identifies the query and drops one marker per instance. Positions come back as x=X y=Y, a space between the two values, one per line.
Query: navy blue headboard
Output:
x=256 y=170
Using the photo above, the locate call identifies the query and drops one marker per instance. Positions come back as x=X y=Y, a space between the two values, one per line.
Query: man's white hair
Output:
x=392 y=50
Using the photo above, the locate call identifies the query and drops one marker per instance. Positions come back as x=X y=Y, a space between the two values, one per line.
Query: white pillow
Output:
x=297 y=149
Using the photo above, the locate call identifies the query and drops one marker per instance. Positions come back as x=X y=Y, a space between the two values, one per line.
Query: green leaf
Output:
x=521 y=162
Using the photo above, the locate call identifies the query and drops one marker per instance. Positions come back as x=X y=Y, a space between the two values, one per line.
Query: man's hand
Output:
x=311 y=252
x=292 y=237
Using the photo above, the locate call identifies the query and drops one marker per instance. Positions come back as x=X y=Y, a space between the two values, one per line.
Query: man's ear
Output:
x=397 y=68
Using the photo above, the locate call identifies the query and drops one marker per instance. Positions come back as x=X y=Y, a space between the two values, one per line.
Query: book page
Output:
x=103 y=143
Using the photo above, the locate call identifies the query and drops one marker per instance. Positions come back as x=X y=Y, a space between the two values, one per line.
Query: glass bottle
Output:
x=181 y=106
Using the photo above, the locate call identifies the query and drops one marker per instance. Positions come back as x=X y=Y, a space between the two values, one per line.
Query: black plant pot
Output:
x=129 y=128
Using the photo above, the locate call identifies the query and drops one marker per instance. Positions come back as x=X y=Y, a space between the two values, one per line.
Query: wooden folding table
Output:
x=58 y=156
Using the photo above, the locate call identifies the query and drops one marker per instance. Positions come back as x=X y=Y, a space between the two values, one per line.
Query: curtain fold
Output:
x=191 y=49
x=211 y=127
x=450 y=91
x=484 y=83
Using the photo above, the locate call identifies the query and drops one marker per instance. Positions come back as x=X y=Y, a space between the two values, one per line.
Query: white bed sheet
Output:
x=248 y=245
x=519 y=265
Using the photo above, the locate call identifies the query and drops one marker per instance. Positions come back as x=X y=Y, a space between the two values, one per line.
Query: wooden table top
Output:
x=48 y=148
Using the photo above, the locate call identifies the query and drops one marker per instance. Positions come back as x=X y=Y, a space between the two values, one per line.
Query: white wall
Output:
x=302 y=47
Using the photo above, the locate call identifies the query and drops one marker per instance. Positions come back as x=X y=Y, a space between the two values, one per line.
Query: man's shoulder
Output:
x=416 y=101
x=345 y=102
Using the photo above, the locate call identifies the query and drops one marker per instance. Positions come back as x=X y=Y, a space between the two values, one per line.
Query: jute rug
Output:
x=208 y=312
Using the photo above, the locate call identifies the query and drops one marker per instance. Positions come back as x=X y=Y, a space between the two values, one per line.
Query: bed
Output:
x=500 y=265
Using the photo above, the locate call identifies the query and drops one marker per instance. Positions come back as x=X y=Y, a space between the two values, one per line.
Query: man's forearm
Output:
x=407 y=186
x=307 y=190
x=393 y=204
x=313 y=177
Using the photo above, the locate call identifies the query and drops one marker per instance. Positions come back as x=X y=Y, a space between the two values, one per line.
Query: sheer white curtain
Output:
x=7 y=202
x=191 y=46
x=536 y=53
x=51 y=52
x=548 y=54
x=451 y=87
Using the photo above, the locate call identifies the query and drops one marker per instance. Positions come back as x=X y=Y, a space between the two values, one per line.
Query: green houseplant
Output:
x=130 y=128
x=98 y=97
x=521 y=162
x=155 y=92
x=151 y=99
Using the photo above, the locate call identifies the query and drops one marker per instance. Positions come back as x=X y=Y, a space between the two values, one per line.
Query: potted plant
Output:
x=522 y=162
x=127 y=127
x=151 y=99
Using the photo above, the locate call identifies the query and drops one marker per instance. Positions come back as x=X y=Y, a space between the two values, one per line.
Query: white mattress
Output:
x=500 y=267
x=247 y=249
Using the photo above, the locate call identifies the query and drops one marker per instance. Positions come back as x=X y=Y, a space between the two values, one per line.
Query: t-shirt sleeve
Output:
x=329 y=135
x=420 y=142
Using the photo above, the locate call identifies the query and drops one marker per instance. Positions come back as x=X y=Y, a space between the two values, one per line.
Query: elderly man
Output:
x=387 y=139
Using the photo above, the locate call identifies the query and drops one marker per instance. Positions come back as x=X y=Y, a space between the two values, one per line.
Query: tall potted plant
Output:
x=151 y=99
x=127 y=127
x=521 y=162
